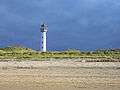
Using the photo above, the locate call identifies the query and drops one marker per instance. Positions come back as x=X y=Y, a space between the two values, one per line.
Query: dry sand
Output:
x=59 y=75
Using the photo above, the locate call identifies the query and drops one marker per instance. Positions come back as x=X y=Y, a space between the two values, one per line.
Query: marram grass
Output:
x=21 y=53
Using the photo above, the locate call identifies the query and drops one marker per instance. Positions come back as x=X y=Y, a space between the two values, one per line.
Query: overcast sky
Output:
x=79 y=24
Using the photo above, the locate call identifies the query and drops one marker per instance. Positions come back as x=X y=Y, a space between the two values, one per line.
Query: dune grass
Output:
x=21 y=53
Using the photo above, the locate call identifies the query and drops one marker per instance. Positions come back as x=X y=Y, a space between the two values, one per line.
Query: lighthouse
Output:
x=44 y=29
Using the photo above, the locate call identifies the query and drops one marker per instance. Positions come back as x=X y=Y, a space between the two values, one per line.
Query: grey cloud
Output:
x=90 y=21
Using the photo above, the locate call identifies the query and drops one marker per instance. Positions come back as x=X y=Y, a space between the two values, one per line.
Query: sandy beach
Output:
x=59 y=75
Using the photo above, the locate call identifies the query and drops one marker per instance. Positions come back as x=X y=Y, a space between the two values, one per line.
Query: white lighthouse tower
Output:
x=44 y=29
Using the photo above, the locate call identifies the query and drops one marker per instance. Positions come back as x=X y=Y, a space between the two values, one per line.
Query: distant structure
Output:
x=44 y=29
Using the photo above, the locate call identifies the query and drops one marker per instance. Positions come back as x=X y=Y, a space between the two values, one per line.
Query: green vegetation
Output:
x=21 y=53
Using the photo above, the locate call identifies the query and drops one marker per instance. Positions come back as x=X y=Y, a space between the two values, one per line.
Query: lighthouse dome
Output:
x=44 y=28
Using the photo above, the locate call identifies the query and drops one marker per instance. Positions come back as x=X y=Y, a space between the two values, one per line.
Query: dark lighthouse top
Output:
x=44 y=28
